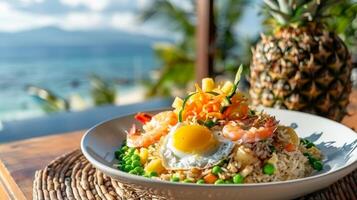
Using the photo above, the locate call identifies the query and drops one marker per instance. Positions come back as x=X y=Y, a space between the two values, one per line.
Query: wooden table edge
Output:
x=8 y=186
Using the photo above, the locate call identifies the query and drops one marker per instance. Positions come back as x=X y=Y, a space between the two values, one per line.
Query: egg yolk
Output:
x=194 y=139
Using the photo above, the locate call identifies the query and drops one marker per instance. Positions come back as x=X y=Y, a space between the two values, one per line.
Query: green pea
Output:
x=126 y=157
x=268 y=169
x=187 y=181
x=121 y=156
x=128 y=162
x=317 y=165
x=124 y=148
x=237 y=179
x=228 y=181
x=175 y=179
x=153 y=173
x=135 y=157
x=139 y=169
x=216 y=170
x=201 y=181
x=127 y=168
x=219 y=181
x=136 y=163
x=131 y=151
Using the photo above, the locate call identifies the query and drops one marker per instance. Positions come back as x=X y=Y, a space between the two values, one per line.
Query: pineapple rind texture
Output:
x=305 y=68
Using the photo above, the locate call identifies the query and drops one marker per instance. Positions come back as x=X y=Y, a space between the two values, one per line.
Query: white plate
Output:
x=337 y=142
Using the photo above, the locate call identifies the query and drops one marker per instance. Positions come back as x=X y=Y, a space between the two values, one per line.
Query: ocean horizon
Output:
x=65 y=71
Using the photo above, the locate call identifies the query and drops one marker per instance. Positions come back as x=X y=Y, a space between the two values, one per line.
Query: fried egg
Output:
x=193 y=146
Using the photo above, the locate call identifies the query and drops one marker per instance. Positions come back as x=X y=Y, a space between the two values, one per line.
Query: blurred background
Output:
x=72 y=55
x=86 y=53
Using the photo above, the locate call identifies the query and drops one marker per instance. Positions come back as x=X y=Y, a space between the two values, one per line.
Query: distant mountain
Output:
x=51 y=36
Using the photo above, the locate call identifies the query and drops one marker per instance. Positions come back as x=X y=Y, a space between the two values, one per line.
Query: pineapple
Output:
x=301 y=66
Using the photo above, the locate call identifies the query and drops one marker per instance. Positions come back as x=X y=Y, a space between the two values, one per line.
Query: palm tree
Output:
x=178 y=58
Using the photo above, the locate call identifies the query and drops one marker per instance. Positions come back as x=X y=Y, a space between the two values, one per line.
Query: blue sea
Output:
x=65 y=70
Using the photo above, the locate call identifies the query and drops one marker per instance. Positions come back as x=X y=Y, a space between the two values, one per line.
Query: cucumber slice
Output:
x=233 y=91
x=225 y=104
x=183 y=105
x=236 y=80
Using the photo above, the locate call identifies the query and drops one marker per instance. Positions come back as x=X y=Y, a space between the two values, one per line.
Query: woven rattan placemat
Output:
x=71 y=176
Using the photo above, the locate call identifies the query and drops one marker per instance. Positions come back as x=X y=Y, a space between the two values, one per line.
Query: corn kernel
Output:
x=247 y=170
x=245 y=156
x=227 y=87
x=155 y=166
x=273 y=160
x=207 y=84
x=144 y=154
x=177 y=103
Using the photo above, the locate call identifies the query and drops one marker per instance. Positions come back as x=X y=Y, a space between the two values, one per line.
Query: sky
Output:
x=73 y=15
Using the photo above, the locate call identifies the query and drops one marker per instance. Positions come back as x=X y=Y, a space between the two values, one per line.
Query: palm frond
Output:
x=47 y=99
x=175 y=18
x=102 y=91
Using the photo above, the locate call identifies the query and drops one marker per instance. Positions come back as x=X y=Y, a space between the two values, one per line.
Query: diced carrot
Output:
x=290 y=147
x=210 y=178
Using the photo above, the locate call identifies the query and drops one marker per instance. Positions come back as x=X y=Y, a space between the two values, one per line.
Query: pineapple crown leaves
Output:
x=296 y=12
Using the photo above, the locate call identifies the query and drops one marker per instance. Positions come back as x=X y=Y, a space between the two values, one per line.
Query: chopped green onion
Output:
x=317 y=165
x=272 y=148
x=209 y=123
x=307 y=143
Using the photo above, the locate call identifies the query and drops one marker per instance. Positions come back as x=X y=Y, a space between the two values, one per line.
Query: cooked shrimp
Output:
x=157 y=127
x=234 y=131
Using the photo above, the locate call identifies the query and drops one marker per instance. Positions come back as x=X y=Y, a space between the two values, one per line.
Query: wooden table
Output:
x=20 y=160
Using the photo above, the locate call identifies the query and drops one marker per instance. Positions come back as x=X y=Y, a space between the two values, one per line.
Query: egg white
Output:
x=176 y=159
